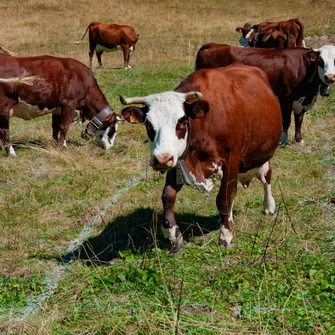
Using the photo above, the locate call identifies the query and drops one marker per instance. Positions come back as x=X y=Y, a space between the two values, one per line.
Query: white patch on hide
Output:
x=208 y=184
x=327 y=53
x=170 y=233
x=165 y=109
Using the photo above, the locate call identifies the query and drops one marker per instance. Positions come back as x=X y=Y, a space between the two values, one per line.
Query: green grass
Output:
x=279 y=278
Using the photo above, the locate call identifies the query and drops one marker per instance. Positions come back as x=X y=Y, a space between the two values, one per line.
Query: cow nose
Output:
x=330 y=78
x=163 y=161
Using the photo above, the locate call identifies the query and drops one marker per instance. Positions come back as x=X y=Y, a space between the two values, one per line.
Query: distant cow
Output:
x=61 y=86
x=110 y=37
x=295 y=75
x=278 y=35
x=230 y=134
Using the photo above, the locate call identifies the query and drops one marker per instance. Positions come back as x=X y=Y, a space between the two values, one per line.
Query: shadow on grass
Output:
x=137 y=232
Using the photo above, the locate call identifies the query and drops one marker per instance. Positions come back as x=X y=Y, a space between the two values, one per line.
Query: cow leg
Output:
x=286 y=118
x=56 y=121
x=125 y=49
x=224 y=203
x=298 y=118
x=169 y=226
x=269 y=205
x=66 y=117
x=99 y=57
x=91 y=53
x=4 y=129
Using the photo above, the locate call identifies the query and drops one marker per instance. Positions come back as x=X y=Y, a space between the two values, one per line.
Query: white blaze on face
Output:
x=103 y=139
x=327 y=53
x=165 y=109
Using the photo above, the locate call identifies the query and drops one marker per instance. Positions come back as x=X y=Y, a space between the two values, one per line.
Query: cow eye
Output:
x=150 y=130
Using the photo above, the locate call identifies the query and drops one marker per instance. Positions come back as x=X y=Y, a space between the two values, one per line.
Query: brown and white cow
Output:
x=61 y=86
x=278 y=35
x=295 y=75
x=111 y=37
x=212 y=125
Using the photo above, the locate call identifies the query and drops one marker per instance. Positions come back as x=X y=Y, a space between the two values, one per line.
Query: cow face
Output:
x=327 y=64
x=166 y=118
x=246 y=31
x=105 y=137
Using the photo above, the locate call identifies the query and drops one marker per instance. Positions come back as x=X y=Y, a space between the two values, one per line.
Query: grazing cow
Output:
x=278 y=35
x=229 y=134
x=59 y=86
x=110 y=37
x=295 y=75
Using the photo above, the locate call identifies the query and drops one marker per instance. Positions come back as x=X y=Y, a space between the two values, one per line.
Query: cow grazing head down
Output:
x=327 y=64
x=165 y=116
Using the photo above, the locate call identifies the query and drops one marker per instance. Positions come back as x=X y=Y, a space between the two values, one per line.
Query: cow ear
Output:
x=239 y=29
x=133 y=114
x=312 y=55
x=197 y=109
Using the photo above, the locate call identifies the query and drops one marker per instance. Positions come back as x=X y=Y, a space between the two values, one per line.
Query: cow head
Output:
x=166 y=117
x=326 y=66
x=104 y=127
x=248 y=33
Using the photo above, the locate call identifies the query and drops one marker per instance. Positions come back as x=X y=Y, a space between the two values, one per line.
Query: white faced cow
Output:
x=231 y=133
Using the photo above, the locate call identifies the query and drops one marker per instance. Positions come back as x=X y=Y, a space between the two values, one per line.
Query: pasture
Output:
x=99 y=212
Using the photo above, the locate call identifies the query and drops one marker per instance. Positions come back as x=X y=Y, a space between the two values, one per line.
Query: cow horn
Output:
x=129 y=101
x=193 y=95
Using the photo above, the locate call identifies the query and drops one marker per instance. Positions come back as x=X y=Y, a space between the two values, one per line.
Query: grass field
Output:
x=103 y=209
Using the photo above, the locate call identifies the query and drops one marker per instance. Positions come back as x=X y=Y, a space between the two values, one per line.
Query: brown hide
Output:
x=279 y=35
x=62 y=82
x=240 y=132
x=292 y=72
x=110 y=36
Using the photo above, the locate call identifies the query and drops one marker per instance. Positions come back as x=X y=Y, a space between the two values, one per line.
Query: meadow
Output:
x=81 y=250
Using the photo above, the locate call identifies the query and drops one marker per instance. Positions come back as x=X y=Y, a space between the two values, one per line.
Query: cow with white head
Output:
x=211 y=126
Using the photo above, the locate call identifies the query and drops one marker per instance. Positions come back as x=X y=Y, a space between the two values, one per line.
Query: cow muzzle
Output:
x=330 y=78
x=162 y=162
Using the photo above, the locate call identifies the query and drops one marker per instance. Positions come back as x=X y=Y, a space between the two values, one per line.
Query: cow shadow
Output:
x=137 y=232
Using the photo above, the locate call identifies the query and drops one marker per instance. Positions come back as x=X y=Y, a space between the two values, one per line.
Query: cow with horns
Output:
x=296 y=75
x=63 y=87
x=212 y=125
x=110 y=37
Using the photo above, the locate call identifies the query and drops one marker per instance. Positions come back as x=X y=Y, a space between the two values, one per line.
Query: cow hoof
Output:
x=300 y=142
x=177 y=244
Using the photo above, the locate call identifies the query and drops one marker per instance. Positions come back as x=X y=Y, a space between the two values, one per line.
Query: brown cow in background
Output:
x=110 y=37
x=278 y=35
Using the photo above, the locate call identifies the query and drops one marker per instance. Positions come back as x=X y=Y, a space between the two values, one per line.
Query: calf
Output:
x=295 y=75
x=231 y=133
x=110 y=37
x=60 y=86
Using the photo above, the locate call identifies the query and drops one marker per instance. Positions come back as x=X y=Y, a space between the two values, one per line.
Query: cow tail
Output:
x=88 y=27
x=300 y=39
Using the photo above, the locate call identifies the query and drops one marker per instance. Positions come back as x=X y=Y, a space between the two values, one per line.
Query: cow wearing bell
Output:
x=110 y=37
x=61 y=86
x=296 y=75
x=216 y=127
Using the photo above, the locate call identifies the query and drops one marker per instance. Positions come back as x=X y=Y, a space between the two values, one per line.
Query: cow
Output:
x=279 y=35
x=110 y=37
x=212 y=126
x=61 y=86
x=296 y=75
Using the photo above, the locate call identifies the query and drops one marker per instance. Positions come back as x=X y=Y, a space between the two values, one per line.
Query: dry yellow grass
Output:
x=168 y=30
